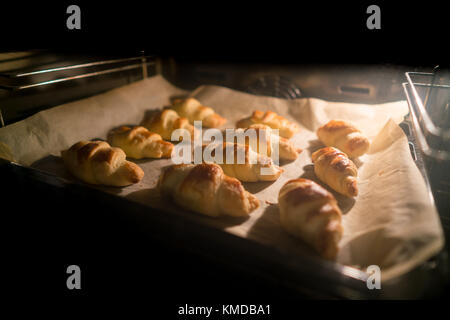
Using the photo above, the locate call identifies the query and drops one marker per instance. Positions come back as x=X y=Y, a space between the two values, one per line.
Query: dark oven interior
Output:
x=92 y=229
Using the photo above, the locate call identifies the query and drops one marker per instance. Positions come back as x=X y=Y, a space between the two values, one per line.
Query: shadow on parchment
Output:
x=344 y=203
x=151 y=112
x=153 y=198
x=255 y=187
x=284 y=162
x=54 y=165
x=314 y=145
x=227 y=221
x=268 y=229
x=98 y=139
x=148 y=114
x=110 y=131
x=172 y=98
x=358 y=163
x=145 y=160
x=145 y=196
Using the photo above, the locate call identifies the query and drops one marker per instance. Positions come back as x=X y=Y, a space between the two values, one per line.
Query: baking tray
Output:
x=318 y=277
x=293 y=271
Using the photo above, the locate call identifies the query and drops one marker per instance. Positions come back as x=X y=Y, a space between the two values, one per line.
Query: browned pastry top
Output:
x=105 y=155
x=234 y=185
x=140 y=133
x=122 y=129
x=86 y=150
x=261 y=116
x=357 y=142
x=335 y=125
x=308 y=191
x=233 y=148
x=336 y=158
x=133 y=175
x=180 y=122
x=259 y=128
x=168 y=170
x=204 y=172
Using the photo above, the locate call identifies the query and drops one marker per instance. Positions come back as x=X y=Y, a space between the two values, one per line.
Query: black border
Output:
x=276 y=32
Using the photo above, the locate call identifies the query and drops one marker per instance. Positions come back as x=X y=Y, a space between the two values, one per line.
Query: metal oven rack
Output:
x=428 y=96
x=14 y=83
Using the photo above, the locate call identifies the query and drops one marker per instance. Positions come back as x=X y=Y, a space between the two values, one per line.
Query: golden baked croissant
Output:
x=344 y=136
x=286 y=128
x=251 y=168
x=311 y=213
x=167 y=121
x=204 y=188
x=193 y=110
x=96 y=162
x=335 y=169
x=140 y=143
x=286 y=149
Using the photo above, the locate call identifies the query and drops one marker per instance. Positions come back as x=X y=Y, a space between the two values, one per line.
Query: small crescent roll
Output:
x=311 y=213
x=286 y=128
x=193 y=110
x=335 y=169
x=96 y=162
x=286 y=149
x=166 y=122
x=243 y=163
x=140 y=143
x=345 y=137
x=204 y=188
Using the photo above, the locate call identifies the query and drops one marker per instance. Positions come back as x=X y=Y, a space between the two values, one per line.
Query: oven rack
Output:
x=425 y=128
x=432 y=140
x=17 y=81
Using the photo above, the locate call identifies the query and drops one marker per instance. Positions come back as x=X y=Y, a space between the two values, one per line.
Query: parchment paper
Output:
x=391 y=223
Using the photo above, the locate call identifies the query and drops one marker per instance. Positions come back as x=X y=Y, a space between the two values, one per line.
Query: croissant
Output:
x=204 y=188
x=167 y=121
x=311 y=213
x=335 y=169
x=286 y=149
x=286 y=128
x=345 y=137
x=193 y=110
x=96 y=162
x=251 y=167
x=140 y=143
